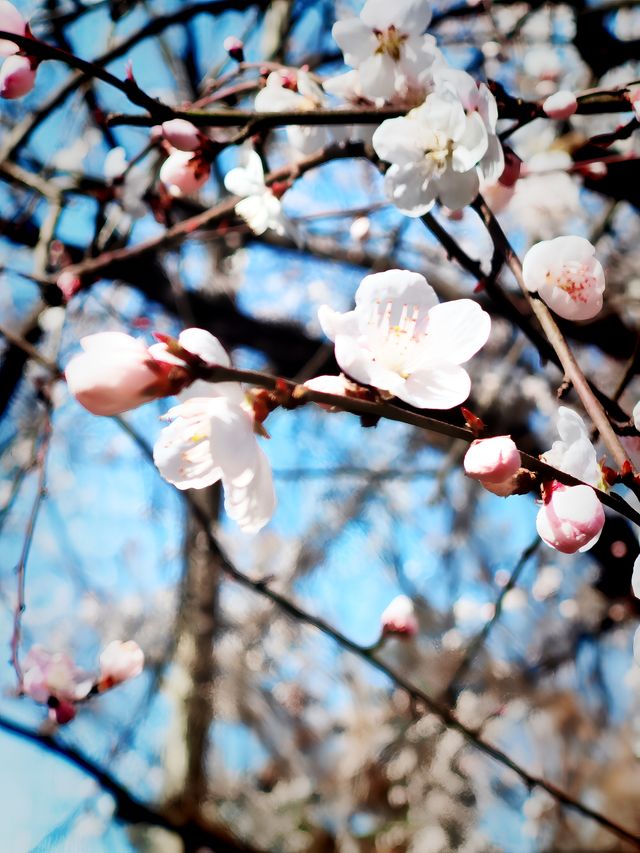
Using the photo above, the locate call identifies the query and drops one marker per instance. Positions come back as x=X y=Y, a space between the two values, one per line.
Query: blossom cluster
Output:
x=53 y=679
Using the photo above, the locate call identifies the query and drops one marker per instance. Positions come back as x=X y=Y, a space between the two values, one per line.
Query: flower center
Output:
x=438 y=151
x=390 y=41
x=575 y=279
x=396 y=341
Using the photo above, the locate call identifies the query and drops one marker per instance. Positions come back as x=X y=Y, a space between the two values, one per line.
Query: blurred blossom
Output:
x=399 y=617
x=573 y=452
x=17 y=77
x=560 y=105
x=184 y=172
x=11 y=21
x=120 y=661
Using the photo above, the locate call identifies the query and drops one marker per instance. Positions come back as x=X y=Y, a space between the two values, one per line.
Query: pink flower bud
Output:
x=571 y=519
x=184 y=173
x=62 y=711
x=11 y=21
x=17 y=77
x=181 y=134
x=400 y=617
x=116 y=373
x=69 y=284
x=561 y=105
x=120 y=661
x=492 y=460
x=234 y=47
x=328 y=385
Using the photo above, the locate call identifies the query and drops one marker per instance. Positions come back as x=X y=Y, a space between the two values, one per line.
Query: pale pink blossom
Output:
x=182 y=134
x=46 y=675
x=69 y=284
x=17 y=77
x=561 y=105
x=401 y=340
x=571 y=518
x=399 y=618
x=566 y=275
x=184 y=172
x=278 y=96
x=494 y=462
x=116 y=373
x=119 y=661
x=11 y=21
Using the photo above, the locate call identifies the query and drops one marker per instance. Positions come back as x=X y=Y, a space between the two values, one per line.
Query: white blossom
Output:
x=573 y=452
x=434 y=151
x=277 y=96
x=401 y=340
x=387 y=46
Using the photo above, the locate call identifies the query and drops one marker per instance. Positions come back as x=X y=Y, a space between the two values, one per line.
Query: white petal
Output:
x=410 y=188
x=408 y=16
x=252 y=505
x=202 y=343
x=396 y=141
x=400 y=287
x=334 y=323
x=355 y=40
x=456 y=331
x=635 y=578
x=377 y=76
x=182 y=456
x=440 y=386
x=254 y=212
x=457 y=189
x=239 y=182
x=471 y=146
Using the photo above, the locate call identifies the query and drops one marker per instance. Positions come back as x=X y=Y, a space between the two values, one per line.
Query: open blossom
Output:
x=566 y=275
x=278 y=96
x=399 y=617
x=387 y=46
x=210 y=438
x=401 y=340
x=260 y=207
x=116 y=373
x=573 y=452
x=571 y=518
x=494 y=462
x=120 y=661
x=434 y=151
x=184 y=172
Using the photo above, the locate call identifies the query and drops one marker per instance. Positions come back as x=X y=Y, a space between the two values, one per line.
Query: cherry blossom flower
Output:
x=560 y=105
x=434 y=151
x=399 y=618
x=120 y=661
x=260 y=207
x=636 y=415
x=182 y=134
x=211 y=438
x=573 y=452
x=387 y=46
x=566 y=275
x=184 y=172
x=401 y=340
x=571 y=518
x=494 y=462
x=129 y=183
x=54 y=680
x=11 y=21
x=278 y=96
x=116 y=373
x=17 y=77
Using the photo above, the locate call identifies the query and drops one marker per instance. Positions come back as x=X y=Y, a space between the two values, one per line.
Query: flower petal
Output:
x=456 y=331
x=439 y=386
